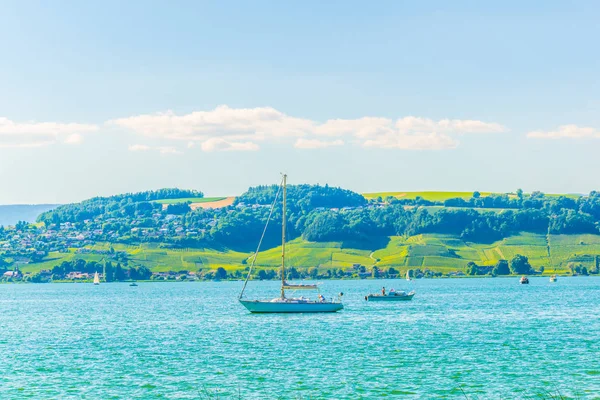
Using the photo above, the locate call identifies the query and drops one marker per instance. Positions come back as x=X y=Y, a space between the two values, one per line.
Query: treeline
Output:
x=122 y=205
x=356 y=221
x=303 y=198
x=112 y=273
x=367 y=223
x=519 y=265
x=324 y=213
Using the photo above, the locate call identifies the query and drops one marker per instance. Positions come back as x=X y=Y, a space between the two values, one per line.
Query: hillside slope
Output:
x=438 y=253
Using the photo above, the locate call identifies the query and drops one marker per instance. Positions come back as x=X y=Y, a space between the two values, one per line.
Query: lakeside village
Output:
x=75 y=241
x=26 y=244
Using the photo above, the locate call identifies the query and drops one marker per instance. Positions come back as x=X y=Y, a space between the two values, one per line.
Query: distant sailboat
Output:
x=285 y=304
x=407 y=276
x=96 y=279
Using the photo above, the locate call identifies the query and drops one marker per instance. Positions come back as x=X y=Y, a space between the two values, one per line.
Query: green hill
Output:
x=440 y=253
x=328 y=228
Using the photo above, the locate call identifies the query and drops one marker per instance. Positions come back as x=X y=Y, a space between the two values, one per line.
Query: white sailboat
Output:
x=407 y=276
x=96 y=279
x=283 y=304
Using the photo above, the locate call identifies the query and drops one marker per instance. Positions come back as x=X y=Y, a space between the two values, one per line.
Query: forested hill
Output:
x=303 y=198
x=328 y=227
x=325 y=214
x=118 y=206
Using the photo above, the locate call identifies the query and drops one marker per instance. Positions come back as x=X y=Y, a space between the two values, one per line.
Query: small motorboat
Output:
x=391 y=296
x=524 y=280
x=133 y=284
x=553 y=278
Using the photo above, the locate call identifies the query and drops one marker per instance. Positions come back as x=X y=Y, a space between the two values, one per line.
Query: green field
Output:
x=427 y=195
x=190 y=200
x=442 y=196
x=428 y=251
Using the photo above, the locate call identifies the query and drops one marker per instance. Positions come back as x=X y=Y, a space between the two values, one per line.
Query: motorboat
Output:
x=392 y=295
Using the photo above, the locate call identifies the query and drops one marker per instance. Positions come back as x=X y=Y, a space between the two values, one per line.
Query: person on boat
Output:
x=321 y=298
x=383 y=291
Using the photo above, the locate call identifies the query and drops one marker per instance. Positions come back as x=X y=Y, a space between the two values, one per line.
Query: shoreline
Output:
x=6 y=282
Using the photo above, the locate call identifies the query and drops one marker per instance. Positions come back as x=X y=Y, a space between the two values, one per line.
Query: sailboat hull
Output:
x=258 y=306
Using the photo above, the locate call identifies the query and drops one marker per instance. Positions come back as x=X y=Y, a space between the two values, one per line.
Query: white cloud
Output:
x=223 y=121
x=219 y=144
x=74 y=138
x=419 y=141
x=230 y=129
x=168 y=150
x=139 y=147
x=416 y=124
x=566 y=132
x=161 y=149
x=316 y=143
x=36 y=134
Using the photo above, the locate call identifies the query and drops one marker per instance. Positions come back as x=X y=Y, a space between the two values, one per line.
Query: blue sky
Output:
x=99 y=98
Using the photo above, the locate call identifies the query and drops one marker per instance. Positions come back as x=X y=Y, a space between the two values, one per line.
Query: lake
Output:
x=464 y=338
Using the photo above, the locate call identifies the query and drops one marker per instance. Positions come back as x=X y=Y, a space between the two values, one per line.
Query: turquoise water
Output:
x=486 y=338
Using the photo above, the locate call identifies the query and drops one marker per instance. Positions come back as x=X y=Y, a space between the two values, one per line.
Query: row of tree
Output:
x=139 y=204
x=518 y=265
x=324 y=213
x=112 y=273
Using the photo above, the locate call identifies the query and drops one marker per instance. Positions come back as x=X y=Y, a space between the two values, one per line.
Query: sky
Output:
x=105 y=97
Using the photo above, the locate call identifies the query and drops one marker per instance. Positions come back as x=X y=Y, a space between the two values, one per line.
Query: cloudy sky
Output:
x=98 y=98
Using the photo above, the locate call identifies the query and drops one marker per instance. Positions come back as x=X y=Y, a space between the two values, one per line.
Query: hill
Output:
x=438 y=253
x=328 y=229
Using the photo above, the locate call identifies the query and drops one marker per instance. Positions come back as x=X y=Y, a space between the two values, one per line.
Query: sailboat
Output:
x=407 y=276
x=284 y=304
x=96 y=278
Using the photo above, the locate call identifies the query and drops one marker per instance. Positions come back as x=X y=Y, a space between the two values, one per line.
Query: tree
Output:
x=132 y=273
x=209 y=275
x=476 y=194
x=520 y=194
x=292 y=273
x=501 y=268
x=262 y=275
x=220 y=273
x=472 y=268
x=109 y=273
x=375 y=272
x=144 y=273
x=520 y=265
x=119 y=273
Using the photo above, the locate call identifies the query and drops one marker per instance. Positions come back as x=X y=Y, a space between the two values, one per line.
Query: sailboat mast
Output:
x=283 y=238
